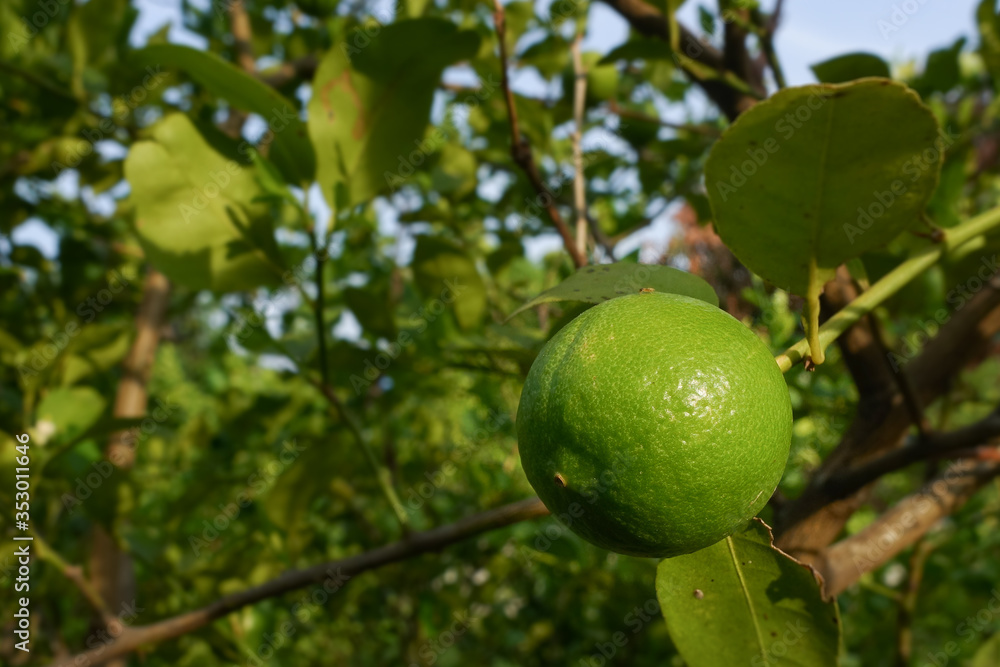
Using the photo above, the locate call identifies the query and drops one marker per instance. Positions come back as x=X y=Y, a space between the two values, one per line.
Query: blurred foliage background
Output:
x=428 y=235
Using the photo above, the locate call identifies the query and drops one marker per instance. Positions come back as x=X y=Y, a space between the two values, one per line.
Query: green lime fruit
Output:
x=654 y=425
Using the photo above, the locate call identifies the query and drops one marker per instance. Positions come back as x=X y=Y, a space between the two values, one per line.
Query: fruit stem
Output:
x=812 y=315
x=891 y=283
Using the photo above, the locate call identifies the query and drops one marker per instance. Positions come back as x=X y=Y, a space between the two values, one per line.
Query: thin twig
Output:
x=332 y=575
x=902 y=378
x=765 y=33
x=75 y=574
x=706 y=130
x=382 y=474
x=579 y=183
x=520 y=149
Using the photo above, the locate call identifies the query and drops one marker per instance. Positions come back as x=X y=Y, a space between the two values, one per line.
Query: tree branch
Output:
x=579 y=181
x=650 y=22
x=902 y=525
x=337 y=571
x=930 y=446
x=812 y=521
x=520 y=149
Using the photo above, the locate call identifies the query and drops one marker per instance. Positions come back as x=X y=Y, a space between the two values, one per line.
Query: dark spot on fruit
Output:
x=698 y=594
x=576 y=289
x=560 y=481
x=773 y=633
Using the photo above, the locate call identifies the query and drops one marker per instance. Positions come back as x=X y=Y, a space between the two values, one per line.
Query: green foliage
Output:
x=134 y=158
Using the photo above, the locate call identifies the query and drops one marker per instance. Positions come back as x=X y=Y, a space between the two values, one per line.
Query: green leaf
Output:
x=988 y=21
x=638 y=49
x=455 y=172
x=290 y=150
x=367 y=115
x=741 y=601
x=72 y=410
x=942 y=71
x=812 y=178
x=444 y=272
x=195 y=212
x=372 y=305
x=849 y=67
x=301 y=481
x=594 y=284
x=988 y=654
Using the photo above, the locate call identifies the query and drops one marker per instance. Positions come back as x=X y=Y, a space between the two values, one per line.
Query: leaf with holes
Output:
x=741 y=601
x=812 y=178
x=594 y=284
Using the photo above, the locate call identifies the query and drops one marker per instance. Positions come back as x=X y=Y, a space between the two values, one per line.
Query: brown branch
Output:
x=930 y=446
x=579 y=180
x=767 y=27
x=303 y=68
x=902 y=525
x=520 y=149
x=337 y=570
x=706 y=130
x=811 y=522
x=110 y=568
x=242 y=36
x=649 y=21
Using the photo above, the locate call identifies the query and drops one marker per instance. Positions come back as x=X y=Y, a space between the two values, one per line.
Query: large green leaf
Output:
x=594 y=284
x=290 y=149
x=743 y=602
x=195 y=211
x=812 y=178
x=447 y=275
x=368 y=114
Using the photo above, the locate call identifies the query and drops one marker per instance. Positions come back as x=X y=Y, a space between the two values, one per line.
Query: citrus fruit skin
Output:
x=654 y=425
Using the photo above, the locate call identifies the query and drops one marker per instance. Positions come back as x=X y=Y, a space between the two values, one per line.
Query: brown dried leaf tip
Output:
x=646 y=290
